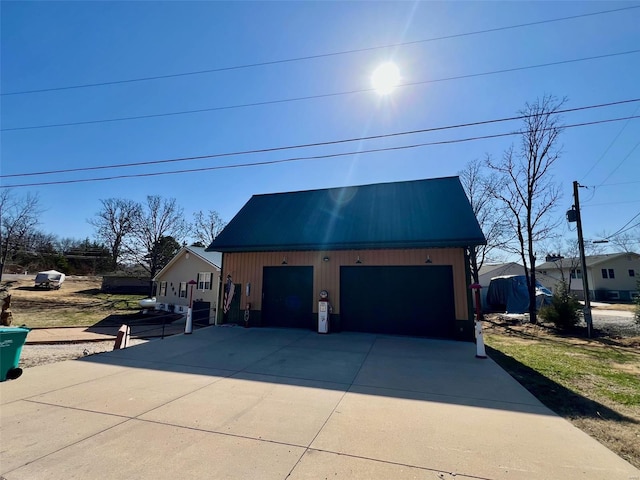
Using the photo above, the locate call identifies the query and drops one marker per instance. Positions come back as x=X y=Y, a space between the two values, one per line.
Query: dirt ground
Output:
x=75 y=304
x=34 y=355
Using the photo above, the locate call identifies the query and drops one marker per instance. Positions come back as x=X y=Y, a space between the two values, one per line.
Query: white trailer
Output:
x=50 y=279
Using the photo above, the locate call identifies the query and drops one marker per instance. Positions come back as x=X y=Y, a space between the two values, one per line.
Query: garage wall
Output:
x=247 y=268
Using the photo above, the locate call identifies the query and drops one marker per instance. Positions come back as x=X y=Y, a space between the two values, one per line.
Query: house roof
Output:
x=592 y=261
x=498 y=268
x=213 y=258
x=412 y=214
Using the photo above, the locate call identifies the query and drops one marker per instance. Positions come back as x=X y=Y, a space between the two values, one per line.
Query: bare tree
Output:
x=530 y=194
x=206 y=227
x=114 y=224
x=157 y=219
x=481 y=187
x=18 y=219
x=627 y=241
x=65 y=244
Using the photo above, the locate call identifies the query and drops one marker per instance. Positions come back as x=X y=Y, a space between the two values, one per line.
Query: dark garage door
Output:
x=287 y=297
x=403 y=300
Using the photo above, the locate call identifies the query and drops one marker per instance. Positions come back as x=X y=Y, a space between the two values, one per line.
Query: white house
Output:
x=174 y=290
x=610 y=277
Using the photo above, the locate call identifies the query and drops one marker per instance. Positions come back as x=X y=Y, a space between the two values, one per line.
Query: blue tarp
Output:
x=510 y=293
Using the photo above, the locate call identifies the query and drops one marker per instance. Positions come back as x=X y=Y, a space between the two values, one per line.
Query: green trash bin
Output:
x=11 y=342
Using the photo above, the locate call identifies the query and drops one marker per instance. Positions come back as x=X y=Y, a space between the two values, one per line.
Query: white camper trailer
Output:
x=49 y=279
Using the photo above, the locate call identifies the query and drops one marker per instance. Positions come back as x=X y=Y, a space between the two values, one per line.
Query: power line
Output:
x=322 y=55
x=608 y=203
x=621 y=162
x=609 y=146
x=617 y=184
x=311 y=97
x=295 y=159
x=316 y=144
x=622 y=229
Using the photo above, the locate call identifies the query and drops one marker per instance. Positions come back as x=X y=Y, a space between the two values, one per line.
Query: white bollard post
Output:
x=122 y=338
x=480 y=353
x=188 y=327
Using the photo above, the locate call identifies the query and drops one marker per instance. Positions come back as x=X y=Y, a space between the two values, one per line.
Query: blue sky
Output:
x=60 y=44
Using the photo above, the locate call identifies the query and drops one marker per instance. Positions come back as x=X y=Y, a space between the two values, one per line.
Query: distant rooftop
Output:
x=591 y=260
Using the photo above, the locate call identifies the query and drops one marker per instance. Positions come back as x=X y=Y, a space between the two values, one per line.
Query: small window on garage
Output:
x=183 y=290
x=604 y=273
x=612 y=273
x=163 y=289
x=632 y=272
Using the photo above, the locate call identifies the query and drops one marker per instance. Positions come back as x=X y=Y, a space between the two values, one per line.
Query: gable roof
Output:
x=412 y=214
x=498 y=268
x=213 y=258
x=592 y=261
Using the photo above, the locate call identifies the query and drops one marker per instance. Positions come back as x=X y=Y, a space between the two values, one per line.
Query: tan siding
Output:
x=184 y=270
x=247 y=267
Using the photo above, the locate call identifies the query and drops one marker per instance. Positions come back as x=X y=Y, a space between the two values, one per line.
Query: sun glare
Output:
x=385 y=78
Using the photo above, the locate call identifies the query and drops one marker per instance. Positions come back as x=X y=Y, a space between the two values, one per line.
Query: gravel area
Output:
x=34 y=355
x=612 y=323
x=616 y=324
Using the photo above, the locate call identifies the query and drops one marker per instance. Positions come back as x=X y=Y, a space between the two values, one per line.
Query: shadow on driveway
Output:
x=394 y=366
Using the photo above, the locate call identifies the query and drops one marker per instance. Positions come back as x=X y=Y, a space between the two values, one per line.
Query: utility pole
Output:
x=574 y=216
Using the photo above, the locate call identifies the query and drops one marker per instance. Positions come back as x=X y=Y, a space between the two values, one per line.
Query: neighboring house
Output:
x=391 y=256
x=173 y=291
x=487 y=272
x=610 y=277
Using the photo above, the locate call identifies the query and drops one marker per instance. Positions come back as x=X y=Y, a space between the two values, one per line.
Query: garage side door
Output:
x=402 y=300
x=287 y=297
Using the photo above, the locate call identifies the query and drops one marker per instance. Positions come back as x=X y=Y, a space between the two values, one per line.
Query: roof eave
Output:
x=350 y=246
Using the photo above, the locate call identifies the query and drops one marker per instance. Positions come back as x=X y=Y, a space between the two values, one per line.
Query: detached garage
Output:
x=391 y=256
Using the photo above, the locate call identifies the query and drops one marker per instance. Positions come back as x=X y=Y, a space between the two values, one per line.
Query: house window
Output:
x=163 y=289
x=576 y=273
x=204 y=280
x=632 y=272
x=611 y=273
x=183 y=290
x=604 y=273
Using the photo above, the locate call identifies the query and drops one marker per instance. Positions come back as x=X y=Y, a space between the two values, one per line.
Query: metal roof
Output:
x=412 y=214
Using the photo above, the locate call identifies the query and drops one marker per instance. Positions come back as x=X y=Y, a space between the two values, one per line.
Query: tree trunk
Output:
x=473 y=257
x=533 y=315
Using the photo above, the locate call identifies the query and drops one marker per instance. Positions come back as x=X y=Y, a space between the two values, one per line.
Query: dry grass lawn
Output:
x=593 y=383
x=77 y=303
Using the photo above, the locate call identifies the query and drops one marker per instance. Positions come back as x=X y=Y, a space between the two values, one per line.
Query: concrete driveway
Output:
x=233 y=403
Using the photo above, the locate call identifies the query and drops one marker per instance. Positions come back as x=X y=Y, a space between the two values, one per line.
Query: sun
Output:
x=385 y=78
